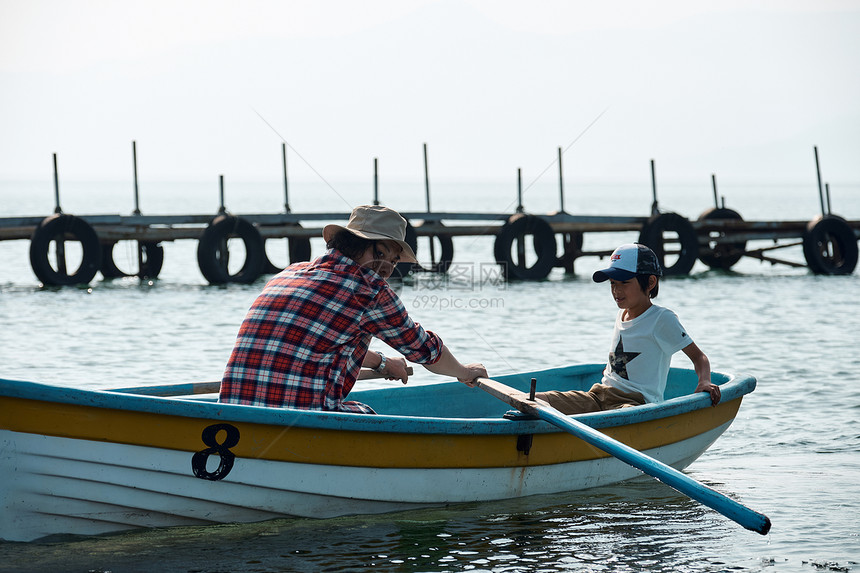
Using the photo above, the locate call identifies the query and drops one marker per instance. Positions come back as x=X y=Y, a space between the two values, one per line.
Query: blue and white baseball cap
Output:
x=630 y=260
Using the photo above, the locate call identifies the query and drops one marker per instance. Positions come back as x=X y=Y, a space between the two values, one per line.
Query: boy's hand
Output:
x=711 y=389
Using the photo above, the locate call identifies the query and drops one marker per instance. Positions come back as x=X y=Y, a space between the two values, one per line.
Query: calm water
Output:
x=792 y=453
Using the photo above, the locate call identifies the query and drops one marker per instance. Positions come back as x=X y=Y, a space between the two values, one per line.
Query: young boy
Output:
x=645 y=338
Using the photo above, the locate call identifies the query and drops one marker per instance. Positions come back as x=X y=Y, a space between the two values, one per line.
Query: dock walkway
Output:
x=526 y=246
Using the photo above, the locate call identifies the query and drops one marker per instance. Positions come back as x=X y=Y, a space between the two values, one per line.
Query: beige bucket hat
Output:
x=376 y=223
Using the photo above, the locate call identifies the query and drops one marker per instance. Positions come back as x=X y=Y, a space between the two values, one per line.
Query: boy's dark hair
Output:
x=643 y=284
x=348 y=244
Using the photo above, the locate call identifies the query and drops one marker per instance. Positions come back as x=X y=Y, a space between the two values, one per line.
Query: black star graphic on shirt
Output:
x=618 y=360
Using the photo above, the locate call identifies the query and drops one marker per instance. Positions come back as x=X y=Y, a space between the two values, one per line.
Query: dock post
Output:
x=375 y=181
x=134 y=166
x=286 y=184
x=714 y=186
x=520 y=207
x=818 y=172
x=56 y=188
x=427 y=200
x=654 y=208
x=560 y=183
x=221 y=209
x=426 y=179
x=572 y=241
x=60 y=243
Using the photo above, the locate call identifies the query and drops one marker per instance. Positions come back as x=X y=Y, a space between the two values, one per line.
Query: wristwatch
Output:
x=382 y=361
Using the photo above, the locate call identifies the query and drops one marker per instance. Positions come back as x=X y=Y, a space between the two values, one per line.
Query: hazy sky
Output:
x=741 y=89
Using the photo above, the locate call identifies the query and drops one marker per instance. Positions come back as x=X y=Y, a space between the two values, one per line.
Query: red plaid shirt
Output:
x=302 y=343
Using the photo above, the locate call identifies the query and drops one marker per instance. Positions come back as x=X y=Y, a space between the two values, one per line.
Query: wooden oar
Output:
x=735 y=511
x=192 y=388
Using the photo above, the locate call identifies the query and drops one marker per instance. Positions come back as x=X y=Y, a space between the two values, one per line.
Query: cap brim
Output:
x=407 y=255
x=614 y=274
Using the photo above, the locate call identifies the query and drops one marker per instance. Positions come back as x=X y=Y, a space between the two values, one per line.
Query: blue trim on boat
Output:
x=431 y=402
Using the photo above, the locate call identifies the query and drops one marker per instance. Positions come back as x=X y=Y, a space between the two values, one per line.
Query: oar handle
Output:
x=167 y=390
x=511 y=396
x=367 y=374
x=192 y=388
x=683 y=483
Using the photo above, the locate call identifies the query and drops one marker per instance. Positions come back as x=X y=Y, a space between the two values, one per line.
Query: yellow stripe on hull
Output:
x=344 y=448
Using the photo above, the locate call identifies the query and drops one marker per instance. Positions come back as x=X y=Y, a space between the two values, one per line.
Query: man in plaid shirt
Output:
x=305 y=338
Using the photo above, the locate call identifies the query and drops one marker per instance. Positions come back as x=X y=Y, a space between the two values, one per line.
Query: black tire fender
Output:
x=298 y=250
x=652 y=236
x=446 y=252
x=61 y=225
x=543 y=242
x=150 y=257
x=212 y=254
x=403 y=269
x=571 y=249
x=830 y=246
x=720 y=253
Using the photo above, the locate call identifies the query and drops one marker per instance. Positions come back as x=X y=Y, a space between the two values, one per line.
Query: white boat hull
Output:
x=89 y=487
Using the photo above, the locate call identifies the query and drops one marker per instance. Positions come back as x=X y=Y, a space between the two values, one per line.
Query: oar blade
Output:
x=681 y=482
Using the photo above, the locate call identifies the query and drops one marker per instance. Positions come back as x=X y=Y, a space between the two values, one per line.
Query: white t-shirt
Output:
x=641 y=351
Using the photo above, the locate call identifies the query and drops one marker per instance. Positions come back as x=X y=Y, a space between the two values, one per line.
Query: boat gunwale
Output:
x=733 y=386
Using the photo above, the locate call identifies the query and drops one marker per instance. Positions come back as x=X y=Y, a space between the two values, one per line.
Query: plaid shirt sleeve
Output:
x=389 y=321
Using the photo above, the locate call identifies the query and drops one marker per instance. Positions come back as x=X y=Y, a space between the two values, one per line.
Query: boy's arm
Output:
x=703 y=370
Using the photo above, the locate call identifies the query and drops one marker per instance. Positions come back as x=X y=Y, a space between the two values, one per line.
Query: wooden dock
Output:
x=526 y=246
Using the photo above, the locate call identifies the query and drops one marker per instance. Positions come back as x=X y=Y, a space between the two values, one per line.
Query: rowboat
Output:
x=84 y=461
